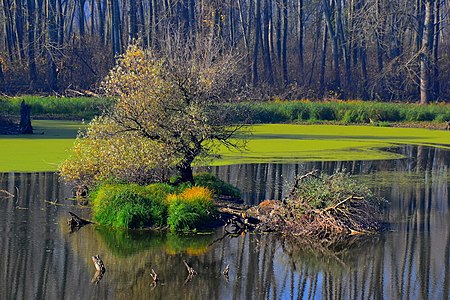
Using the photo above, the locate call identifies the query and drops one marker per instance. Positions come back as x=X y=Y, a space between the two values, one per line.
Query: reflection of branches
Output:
x=5 y=194
x=325 y=254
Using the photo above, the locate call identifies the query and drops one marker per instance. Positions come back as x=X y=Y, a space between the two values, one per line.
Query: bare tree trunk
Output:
x=31 y=54
x=258 y=38
x=52 y=44
x=60 y=22
x=284 y=44
x=18 y=21
x=133 y=28
x=81 y=16
x=101 y=8
x=335 y=48
x=266 y=49
x=426 y=52
x=436 y=83
x=300 y=24
x=323 y=58
x=92 y=8
x=115 y=26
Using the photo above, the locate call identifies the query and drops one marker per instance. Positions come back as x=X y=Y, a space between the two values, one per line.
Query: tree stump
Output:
x=25 y=119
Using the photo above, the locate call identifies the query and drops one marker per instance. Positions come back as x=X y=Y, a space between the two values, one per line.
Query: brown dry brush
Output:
x=327 y=208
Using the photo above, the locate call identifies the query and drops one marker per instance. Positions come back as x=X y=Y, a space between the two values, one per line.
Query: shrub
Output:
x=130 y=205
x=191 y=209
x=219 y=186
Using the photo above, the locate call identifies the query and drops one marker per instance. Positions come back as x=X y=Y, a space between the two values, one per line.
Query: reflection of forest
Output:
x=41 y=260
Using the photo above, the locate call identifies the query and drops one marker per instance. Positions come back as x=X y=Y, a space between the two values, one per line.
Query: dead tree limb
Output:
x=298 y=180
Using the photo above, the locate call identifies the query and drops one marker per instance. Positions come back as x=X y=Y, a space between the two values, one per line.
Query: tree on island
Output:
x=169 y=113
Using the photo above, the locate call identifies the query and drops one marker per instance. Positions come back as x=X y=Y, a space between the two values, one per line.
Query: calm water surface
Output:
x=41 y=259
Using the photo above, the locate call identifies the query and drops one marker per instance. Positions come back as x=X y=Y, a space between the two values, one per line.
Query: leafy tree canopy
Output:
x=169 y=113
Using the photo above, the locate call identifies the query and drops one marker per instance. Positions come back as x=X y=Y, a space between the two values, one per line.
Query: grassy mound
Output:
x=190 y=209
x=327 y=207
x=131 y=205
x=181 y=208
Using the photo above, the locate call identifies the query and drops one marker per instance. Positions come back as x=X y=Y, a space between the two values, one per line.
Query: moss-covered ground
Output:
x=268 y=143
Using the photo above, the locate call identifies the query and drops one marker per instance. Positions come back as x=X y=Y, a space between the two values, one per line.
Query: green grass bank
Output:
x=52 y=107
x=263 y=112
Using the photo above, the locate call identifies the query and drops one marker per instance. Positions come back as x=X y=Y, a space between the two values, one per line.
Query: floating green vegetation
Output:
x=42 y=151
x=268 y=143
x=285 y=143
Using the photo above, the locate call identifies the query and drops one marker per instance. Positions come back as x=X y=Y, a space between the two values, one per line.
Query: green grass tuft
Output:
x=130 y=205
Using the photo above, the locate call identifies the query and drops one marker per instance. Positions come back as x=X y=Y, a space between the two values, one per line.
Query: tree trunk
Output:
x=258 y=37
x=300 y=37
x=335 y=48
x=436 y=83
x=115 y=27
x=25 y=119
x=284 y=44
x=81 y=17
x=425 y=55
x=266 y=49
x=133 y=29
x=52 y=43
x=186 y=173
x=31 y=55
x=323 y=59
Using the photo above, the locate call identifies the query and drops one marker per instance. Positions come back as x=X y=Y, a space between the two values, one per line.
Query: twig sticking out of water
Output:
x=100 y=267
x=5 y=194
x=191 y=272
x=155 y=278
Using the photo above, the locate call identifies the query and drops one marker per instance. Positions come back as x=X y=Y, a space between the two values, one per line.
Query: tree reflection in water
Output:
x=41 y=260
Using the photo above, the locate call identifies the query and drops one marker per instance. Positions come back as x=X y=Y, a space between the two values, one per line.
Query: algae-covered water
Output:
x=269 y=143
x=41 y=259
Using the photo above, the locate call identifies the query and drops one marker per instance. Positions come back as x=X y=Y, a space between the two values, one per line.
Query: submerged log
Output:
x=75 y=222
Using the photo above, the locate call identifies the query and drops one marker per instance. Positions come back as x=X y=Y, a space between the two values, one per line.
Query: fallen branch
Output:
x=343 y=201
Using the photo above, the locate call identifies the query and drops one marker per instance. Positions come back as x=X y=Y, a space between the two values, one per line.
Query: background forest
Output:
x=368 y=49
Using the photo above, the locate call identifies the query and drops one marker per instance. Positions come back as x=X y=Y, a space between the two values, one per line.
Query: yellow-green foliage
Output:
x=165 y=116
x=103 y=153
x=190 y=209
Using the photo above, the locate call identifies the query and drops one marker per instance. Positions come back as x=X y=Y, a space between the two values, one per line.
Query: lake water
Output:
x=41 y=259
